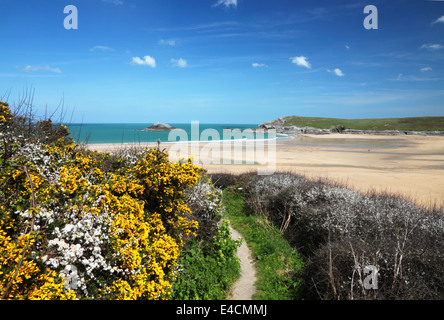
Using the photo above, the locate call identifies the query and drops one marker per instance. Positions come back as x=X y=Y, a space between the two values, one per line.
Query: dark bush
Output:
x=337 y=128
x=225 y=180
x=21 y=125
x=341 y=232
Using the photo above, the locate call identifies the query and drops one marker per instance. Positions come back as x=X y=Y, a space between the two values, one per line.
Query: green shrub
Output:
x=207 y=271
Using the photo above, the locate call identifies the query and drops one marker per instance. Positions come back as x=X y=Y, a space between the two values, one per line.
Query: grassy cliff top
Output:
x=403 y=124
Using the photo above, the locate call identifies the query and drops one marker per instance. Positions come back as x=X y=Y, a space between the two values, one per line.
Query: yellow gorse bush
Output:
x=164 y=184
x=71 y=230
x=5 y=112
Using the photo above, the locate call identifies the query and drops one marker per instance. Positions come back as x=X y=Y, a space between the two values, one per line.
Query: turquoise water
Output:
x=102 y=133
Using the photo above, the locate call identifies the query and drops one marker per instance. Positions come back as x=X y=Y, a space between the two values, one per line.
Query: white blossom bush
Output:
x=341 y=231
x=205 y=202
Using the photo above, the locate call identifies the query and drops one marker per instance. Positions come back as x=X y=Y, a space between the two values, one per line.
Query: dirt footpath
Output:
x=244 y=288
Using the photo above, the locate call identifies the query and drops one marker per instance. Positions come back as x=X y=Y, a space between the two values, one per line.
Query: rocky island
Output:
x=159 y=127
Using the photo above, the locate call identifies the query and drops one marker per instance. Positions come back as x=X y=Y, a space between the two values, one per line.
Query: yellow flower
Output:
x=141 y=207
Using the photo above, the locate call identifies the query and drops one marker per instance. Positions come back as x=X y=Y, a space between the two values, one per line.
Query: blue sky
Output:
x=224 y=61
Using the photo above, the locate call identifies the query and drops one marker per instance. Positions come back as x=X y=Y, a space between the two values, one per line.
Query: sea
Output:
x=124 y=133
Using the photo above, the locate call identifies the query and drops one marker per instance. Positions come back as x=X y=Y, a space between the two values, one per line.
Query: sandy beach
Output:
x=412 y=166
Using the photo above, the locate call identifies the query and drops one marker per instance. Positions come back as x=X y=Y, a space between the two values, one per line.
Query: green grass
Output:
x=403 y=124
x=208 y=269
x=279 y=267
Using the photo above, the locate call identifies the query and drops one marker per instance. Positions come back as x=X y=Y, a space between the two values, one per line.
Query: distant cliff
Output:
x=306 y=125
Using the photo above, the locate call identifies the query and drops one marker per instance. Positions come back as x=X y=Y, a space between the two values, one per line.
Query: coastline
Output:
x=409 y=165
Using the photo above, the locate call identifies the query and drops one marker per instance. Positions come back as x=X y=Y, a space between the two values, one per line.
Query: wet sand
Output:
x=412 y=166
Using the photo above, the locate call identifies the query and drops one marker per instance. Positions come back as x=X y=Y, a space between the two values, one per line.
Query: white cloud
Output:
x=101 y=48
x=426 y=69
x=168 y=42
x=337 y=72
x=116 y=2
x=347 y=47
x=439 y=20
x=259 y=65
x=402 y=77
x=146 y=61
x=301 y=61
x=432 y=46
x=181 y=63
x=41 y=68
x=226 y=3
